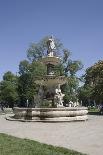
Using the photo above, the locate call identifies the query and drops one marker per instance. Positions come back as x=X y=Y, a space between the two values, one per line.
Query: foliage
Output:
x=70 y=69
x=29 y=72
x=37 y=69
x=8 y=89
x=93 y=109
x=66 y=99
x=10 y=145
x=85 y=94
x=24 y=67
x=70 y=89
x=93 y=87
x=46 y=104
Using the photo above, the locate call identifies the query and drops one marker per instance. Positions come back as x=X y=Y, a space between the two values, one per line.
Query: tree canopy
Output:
x=93 y=87
x=8 y=89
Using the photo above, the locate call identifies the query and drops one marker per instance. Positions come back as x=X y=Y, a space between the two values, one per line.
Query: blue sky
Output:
x=77 y=23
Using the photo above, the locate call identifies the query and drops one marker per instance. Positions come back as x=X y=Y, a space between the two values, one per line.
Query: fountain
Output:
x=57 y=112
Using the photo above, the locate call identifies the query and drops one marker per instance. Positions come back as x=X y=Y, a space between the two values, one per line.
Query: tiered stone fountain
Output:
x=53 y=93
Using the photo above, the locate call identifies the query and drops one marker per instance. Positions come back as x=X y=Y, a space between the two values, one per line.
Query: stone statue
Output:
x=51 y=46
x=59 y=96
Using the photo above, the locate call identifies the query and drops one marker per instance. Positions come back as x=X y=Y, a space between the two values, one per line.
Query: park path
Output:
x=85 y=137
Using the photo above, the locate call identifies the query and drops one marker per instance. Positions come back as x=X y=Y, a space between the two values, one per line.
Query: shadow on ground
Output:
x=94 y=113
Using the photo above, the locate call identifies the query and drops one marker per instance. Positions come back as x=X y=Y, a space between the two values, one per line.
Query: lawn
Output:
x=93 y=111
x=10 y=145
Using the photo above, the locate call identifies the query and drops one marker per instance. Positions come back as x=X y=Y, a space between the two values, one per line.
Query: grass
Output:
x=93 y=111
x=10 y=145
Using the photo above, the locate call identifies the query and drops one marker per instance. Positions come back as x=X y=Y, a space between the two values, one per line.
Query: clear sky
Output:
x=77 y=23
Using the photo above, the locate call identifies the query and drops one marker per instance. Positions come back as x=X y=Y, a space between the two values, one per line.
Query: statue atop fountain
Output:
x=51 y=47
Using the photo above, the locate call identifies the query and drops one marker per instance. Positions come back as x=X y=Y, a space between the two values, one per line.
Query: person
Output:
x=101 y=109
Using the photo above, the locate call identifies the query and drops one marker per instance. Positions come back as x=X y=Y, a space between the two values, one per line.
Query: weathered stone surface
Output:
x=51 y=114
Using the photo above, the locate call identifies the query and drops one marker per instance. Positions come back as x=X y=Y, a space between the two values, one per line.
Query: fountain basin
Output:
x=51 y=60
x=64 y=114
x=52 y=81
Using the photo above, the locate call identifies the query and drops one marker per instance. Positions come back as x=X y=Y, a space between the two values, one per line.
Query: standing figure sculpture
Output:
x=59 y=96
x=50 y=46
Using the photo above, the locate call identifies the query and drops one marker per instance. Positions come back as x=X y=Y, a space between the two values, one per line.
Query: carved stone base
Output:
x=50 y=114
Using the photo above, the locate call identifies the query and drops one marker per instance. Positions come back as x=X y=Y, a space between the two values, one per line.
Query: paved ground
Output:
x=86 y=137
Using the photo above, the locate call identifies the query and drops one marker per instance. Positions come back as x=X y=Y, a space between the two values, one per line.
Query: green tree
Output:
x=69 y=68
x=24 y=67
x=85 y=95
x=29 y=73
x=93 y=87
x=8 y=89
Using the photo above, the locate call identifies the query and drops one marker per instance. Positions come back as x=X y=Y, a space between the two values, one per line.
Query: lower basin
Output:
x=64 y=114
